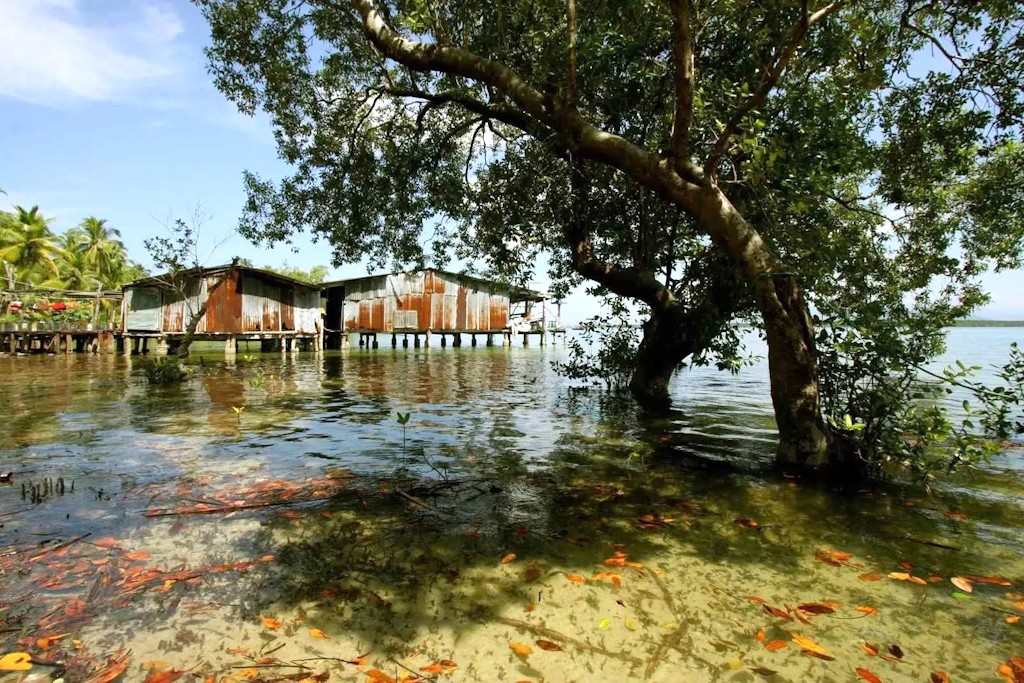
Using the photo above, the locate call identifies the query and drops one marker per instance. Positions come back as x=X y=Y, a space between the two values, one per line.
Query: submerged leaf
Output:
x=317 y=633
x=16 y=661
x=271 y=623
x=576 y=578
x=548 y=645
x=867 y=675
x=521 y=649
x=775 y=645
x=962 y=583
x=508 y=558
x=809 y=645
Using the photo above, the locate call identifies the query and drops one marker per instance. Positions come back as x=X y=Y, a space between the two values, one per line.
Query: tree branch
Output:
x=770 y=75
x=571 y=21
x=507 y=115
x=682 y=55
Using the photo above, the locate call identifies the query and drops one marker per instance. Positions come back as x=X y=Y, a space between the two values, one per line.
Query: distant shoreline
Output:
x=989 y=323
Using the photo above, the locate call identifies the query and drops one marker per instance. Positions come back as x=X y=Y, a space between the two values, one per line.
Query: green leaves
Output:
x=403 y=418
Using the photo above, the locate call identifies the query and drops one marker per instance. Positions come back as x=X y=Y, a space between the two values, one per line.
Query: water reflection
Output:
x=500 y=458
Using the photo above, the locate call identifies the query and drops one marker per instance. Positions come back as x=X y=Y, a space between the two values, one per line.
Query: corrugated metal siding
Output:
x=142 y=309
x=224 y=311
x=423 y=300
x=177 y=311
x=307 y=310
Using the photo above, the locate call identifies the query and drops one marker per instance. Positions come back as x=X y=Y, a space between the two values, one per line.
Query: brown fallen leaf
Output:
x=870 y=576
x=762 y=671
x=511 y=557
x=137 y=555
x=816 y=608
x=836 y=558
x=378 y=676
x=962 y=583
x=870 y=649
x=776 y=612
x=548 y=645
x=773 y=645
x=939 y=677
x=168 y=676
x=990 y=580
x=576 y=578
x=115 y=666
x=746 y=522
x=896 y=651
x=867 y=675
x=521 y=649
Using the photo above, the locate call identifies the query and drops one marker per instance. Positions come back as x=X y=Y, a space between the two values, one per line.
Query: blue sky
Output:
x=106 y=109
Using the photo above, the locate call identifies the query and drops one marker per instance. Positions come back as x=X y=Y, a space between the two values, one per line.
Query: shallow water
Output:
x=510 y=511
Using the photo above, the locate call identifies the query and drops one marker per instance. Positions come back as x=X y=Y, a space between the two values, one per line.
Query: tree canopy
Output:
x=711 y=160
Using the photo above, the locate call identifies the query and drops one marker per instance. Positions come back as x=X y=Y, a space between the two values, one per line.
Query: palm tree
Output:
x=77 y=271
x=28 y=245
x=101 y=247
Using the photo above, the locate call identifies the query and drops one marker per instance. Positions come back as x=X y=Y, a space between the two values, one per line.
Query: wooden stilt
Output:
x=490 y=340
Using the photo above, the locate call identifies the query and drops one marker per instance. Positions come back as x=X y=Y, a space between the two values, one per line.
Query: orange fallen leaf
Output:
x=939 y=677
x=962 y=583
x=836 y=558
x=106 y=542
x=1013 y=619
x=867 y=675
x=870 y=576
x=521 y=649
x=870 y=649
x=549 y=645
x=271 y=623
x=443 y=666
x=899 y=576
x=776 y=612
x=775 y=645
x=760 y=635
x=809 y=645
x=317 y=633
x=378 y=676
x=864 y=609
x=45 y=642
x=114 y=668
x=756 y=600
x=917 y=579
x=576 y=578
x=168 y=676
x=508 y=558
x=137 y=555
x=990 y=580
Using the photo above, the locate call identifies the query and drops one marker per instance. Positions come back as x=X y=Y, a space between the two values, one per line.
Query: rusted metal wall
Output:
x=224 y=310
x=416 y=302
x=177 y=310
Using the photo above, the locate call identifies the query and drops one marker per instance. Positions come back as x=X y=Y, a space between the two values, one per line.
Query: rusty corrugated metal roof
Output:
x=161 y=279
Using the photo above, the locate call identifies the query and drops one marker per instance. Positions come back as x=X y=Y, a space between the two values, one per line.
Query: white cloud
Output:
x=51 y=52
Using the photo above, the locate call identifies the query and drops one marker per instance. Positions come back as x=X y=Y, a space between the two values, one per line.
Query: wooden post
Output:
x=68 y=343
x=526 y=339
x=230 y=345
x=472 y=339
x=405 y=341
x=426 y=338
x=416 y=341
x=376 y=345
x=444 y=340
x=490 y=339
x=457 y=339
x=394 y=340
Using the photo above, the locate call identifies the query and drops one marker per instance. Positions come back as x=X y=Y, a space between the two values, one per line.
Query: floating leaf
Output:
x=521 y=649
x=867 y=675
x=864 y=609
x=899 y=576
x=774 y=645
x=776 y=612
x=962 y=583
x=508 y=558
x=317 y=633
x=271 y=623
x=549 y=645
x=870 y=649
x=137 y=555
x=16 y=661
x=870 y=576
x=809 y=645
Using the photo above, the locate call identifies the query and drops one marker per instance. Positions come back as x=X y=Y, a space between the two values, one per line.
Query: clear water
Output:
x=635 y=560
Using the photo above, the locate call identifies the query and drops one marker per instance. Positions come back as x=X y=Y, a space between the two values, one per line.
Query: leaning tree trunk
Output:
x=792 y=362
x=190 y=330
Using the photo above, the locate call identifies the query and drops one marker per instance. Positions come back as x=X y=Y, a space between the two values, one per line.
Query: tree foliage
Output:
x=693 y=155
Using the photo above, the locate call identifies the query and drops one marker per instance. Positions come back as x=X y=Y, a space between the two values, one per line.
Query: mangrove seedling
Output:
x=403 y=419
x=165 y=370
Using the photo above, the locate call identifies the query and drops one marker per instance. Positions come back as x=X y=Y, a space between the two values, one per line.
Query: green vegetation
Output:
x=87 y=258
x=165 y=370
x=708 y=163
